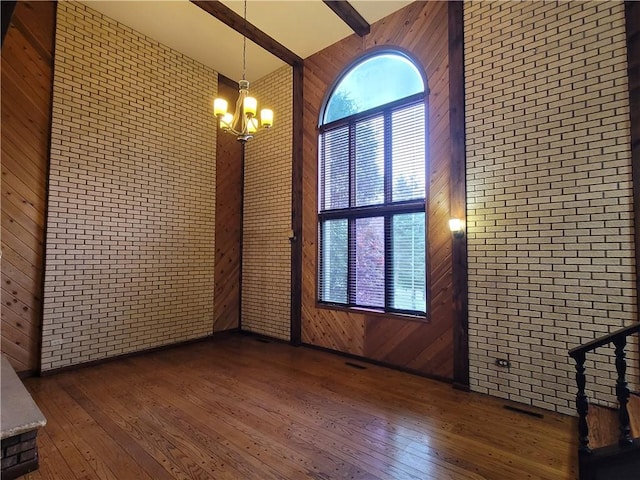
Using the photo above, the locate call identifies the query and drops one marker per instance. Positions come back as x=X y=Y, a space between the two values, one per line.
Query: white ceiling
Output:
x=303 y=26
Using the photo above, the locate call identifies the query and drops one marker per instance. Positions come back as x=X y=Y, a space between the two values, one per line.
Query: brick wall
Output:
x=130 y=229
x=266 y=252
x=19 y=454
x=550 y=224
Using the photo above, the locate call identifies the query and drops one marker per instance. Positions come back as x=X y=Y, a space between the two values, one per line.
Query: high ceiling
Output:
x=303 y=26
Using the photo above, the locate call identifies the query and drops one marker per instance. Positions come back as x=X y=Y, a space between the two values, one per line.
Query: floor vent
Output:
x=355 y=365
x=525 y=412
x=263 y=340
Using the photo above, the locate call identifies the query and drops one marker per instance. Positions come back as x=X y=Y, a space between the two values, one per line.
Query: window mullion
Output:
x=351 y=232
x=351 y=259
x=352 y=212
x=388 y=172
x=322 y=182
x=388 y=263
x=388 y=199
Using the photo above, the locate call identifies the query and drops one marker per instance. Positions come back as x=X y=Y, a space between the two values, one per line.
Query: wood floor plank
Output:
x=143 y=459
x=241 y=409
x=52 y=462
x=142 y=416
x=206 y=419
x=83 y=461
x=451 y=436
x=293 y=431
x=468 y=406
x=325 y=426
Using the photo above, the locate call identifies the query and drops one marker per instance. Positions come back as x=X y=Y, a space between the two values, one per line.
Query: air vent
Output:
x=525 y=412
x=355 y=365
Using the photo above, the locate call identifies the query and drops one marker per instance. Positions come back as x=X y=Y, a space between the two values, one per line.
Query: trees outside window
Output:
x=372 y=178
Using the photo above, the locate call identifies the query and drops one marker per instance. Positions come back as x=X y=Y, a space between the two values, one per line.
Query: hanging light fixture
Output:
x=243 y=122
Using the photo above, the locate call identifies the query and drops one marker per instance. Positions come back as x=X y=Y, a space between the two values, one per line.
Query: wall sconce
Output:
x=457 y=227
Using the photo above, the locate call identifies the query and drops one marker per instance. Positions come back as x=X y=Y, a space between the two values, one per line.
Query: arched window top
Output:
x=374 y=81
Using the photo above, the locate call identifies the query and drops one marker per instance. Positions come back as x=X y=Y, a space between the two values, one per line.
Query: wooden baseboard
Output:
x=214 y=336
x=378 y=363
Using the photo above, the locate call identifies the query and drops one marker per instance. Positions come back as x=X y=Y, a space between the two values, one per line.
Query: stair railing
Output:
x=579 y=354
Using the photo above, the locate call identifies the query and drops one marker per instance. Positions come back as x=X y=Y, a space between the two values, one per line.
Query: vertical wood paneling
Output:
x=426 y=347
x=296 y=204
x=458 y=194
x=27 y=67
x=226 y=310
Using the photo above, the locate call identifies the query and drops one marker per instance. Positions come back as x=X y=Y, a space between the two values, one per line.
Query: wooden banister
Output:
x=619 y=339
x=605 y=339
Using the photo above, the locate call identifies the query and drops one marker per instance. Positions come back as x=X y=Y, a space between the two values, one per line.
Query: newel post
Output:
x=582 y=404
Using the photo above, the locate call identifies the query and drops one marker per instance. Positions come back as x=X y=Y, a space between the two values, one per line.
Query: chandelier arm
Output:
x=237 y=126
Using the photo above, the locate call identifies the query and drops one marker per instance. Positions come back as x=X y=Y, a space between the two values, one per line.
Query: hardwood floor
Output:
x=238 y=408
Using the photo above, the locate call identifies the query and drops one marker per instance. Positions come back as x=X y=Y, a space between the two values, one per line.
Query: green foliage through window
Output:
x=372 y=180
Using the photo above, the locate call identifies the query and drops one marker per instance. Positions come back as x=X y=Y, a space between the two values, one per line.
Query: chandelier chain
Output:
x=244 y=44
x=243 y=122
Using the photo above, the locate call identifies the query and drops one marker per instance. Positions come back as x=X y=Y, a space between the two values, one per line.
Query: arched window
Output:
x=372 y=184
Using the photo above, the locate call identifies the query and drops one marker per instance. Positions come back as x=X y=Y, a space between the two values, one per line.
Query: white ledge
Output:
x=18 y=412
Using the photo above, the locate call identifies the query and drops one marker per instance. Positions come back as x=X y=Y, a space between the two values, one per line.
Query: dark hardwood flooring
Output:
x=238 y=408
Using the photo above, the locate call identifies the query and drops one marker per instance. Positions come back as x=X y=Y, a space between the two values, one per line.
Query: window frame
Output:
x=387 y=209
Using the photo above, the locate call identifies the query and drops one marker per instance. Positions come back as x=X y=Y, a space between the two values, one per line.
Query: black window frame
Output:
x=387 y=210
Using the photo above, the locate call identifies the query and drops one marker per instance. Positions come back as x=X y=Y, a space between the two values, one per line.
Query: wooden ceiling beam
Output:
x=237 y=22
x=350 y=16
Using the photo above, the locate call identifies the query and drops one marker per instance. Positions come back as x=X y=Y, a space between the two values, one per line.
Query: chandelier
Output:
x=243 y=122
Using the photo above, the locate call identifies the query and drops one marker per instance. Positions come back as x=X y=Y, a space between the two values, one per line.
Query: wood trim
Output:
x=379 y=363
x=52 y=57
x=209 y=338
x=458 y=194
x=241 y=246
x=612 y=337
x=257 y=36
x=7 y=12
x=228 y=219
x=632 y=24
x=296 y=205
x=349 y=15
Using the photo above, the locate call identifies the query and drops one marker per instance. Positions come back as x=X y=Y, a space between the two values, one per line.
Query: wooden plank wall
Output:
x=27 y=69
x=426 y=347
x=458 y=194
x=229 y=158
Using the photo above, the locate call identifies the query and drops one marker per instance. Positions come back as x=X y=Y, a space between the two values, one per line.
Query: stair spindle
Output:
x=582 y=404
x=622 y=392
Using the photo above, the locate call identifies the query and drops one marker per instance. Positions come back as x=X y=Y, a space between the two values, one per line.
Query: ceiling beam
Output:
x=350 y=16
x=7 y=12
x=257 y=36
